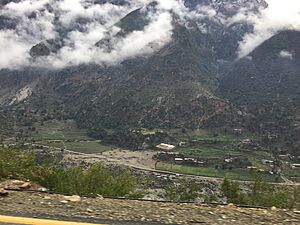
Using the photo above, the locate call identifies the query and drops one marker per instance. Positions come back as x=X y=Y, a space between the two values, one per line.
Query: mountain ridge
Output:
x=193 y=81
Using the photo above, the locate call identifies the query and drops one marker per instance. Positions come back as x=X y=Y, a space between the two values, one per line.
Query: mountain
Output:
x=266 y=84
x=148 y=92
x=193 y=80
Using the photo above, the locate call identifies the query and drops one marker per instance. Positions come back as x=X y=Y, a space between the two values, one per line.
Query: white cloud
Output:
x=176 y=6
x=13 y=51
x=279 y=15
x=81 y=46
x=153 y=37
x=58 y=19
x=286 y=54
x=25 y=7
x=41 y=20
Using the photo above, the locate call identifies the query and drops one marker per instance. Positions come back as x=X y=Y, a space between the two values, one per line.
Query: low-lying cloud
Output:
x=279 y=15
x=77 y=25
x=286 y=54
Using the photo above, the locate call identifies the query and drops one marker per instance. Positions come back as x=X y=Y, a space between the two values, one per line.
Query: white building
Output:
x=164 y=146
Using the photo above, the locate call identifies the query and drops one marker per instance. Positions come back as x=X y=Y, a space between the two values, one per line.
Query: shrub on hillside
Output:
x=261 y=194
x=18 y=164
x=183 y=191
x=231 y=190
x=94 y=180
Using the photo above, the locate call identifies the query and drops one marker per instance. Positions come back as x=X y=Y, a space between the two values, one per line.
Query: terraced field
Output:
x=235 y=174
x=66 y=135
x=214 y=149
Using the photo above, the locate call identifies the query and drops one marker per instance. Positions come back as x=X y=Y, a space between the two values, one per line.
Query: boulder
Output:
x=25 y=186
x=3 y=192
x=73 y=198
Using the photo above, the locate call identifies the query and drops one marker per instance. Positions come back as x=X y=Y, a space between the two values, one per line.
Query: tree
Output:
x=231 y=190
x=183 y=191
x=97 y=133
x=258 y=187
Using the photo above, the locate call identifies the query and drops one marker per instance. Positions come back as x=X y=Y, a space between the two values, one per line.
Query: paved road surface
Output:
x=15 y=220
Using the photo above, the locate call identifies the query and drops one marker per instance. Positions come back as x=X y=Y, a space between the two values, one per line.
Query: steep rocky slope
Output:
x=173 y=87
x=266 y=84
x=192 y=81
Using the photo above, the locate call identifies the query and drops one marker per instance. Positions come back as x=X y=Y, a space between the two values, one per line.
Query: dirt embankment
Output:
x=81 y=208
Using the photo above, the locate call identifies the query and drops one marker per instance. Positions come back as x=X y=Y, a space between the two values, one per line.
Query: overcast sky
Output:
x=79 y=41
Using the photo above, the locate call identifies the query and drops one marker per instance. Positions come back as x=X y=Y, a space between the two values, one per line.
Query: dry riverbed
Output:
x=142 y=159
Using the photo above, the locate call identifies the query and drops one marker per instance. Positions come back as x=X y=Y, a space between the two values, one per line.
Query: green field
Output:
x=206 y=151
x=66 y=135
x=292 y=173
x=218 y=138
x=88 y=147
x=214 y=149
x=235 y=174
x=59 y=130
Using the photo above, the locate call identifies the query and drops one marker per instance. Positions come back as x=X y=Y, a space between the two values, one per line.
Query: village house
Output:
x=237 y=132
x=285 y=157
x=178 y=160
x=165 y=147
x=252 y=168
x=294 y=166
x=272 y=137
x=247 y=142
x=266 y=161
x=183 y=144
x=229 y=160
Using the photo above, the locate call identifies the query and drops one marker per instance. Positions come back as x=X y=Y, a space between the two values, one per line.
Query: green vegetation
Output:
x=292 y=173
x=213 y=149
x=219 y=145
x=217 y=138
x=206 y=151
x=17 y=164
x=261 y=194
x=94 y=180
x=66 y=135
x=231 y=190
x=186 y=191
x=59 y=130
x=21 y=164
x=132 y=138
x=87 y=147
x=235 y=174
x=183 y=191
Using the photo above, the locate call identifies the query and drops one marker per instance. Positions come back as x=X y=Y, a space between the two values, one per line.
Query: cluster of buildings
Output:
x=179 y=158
